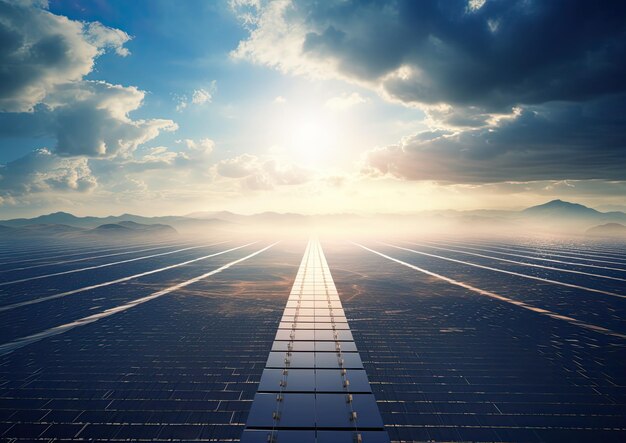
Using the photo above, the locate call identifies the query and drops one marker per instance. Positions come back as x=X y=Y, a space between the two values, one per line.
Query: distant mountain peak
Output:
x=59 y=214
x=558 y=206
x=561 y=203
x=56 y=217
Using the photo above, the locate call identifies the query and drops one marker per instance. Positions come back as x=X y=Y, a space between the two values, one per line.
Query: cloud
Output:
x=100 y=149
x=192 y=162
x=43 y=93
x=201 y=96
x=475 y=5
x=104 y=37
x=43 y=171
x=246 y=10
x=91 y=118
x=345 y=101
x=279 y=100
x=238 y=167
x=202 y=147
x=512 y=90
x=559 y=141
x=181 y=102
x=277 y=36
x=88 y=118
x=40 y=51
x=44 y=174
x=257 y=173
x=44 y=58
x=494 y=55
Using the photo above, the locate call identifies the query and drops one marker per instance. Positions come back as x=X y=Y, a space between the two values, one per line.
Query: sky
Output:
x=156 y=107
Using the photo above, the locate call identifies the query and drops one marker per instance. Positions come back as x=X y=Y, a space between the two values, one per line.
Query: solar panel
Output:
x=314 y=387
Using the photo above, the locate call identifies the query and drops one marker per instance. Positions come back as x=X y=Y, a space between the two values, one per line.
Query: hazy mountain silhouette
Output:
x=94 y=222
x=571 y=212
x=133 y=228
x=555 y=215
x=111 y=230
x=561 y=208
x=608 y=230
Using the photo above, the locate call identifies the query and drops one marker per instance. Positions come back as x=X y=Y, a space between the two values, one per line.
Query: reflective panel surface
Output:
x=314 y=378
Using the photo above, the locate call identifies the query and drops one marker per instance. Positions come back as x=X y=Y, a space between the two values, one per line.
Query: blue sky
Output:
x=294 y=106
x=181 y=47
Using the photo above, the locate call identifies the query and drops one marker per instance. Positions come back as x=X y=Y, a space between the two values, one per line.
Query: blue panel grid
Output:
x=314 y=387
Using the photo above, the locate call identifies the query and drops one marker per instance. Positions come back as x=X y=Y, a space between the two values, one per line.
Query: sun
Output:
x=306 y=131
x=309 y=137
x=312 y=137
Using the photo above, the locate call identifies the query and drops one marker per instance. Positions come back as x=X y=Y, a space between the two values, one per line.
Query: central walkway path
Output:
x=314 y=388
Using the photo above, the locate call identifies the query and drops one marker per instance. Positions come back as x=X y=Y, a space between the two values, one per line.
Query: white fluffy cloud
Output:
x=199 y=97
x=40 y=51
x=91 y=118
x=194 y=160
x=198 y=148
x=277 y=38
x=256 y=173
x=43 y=171
x=43 y=61
x=107 y=38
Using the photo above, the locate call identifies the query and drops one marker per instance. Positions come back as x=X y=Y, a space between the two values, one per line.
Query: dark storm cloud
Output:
x=560 y=64
x=502 y=54
x=556 y=141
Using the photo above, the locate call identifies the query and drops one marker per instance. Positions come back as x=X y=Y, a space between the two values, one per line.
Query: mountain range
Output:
x=65 y=218
x=108 y=230
x=556 y=215
x=560 y=208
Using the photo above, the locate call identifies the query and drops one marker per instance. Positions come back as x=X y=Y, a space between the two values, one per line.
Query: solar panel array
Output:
x=446 y=364
x=314 y=387
x=183 y=367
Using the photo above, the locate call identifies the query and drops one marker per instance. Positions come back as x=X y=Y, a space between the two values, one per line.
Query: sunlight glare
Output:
x=311 y=137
